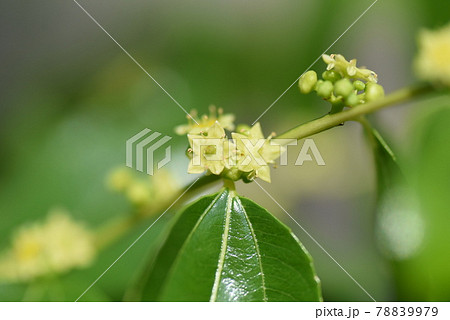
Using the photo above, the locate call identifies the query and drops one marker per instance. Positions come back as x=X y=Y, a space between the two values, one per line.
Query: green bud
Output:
x=318 y=84
x=373 y=92
x=343 y=88
x=307 y=82
x=331 y=75
x=233 y=174
x=352 y=100
x=359 y=85
x=325 y=89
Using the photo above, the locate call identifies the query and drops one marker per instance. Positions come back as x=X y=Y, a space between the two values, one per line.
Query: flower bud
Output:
x=343 y=88
x=359 y=85
x=307 y=82
x=318 y=84
x=352 y=100
x=331 y=75
x=373 y=92
x=325 y=89
x=234 y=174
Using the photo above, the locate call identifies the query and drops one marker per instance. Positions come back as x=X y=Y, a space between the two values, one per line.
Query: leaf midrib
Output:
x=258 y=253
x=223 y=249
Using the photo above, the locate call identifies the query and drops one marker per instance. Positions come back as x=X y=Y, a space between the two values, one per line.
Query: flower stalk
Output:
x=332 y=120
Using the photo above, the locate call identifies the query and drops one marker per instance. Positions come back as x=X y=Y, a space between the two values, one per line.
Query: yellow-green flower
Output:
x=146 y=192
x=120 y=179
x=55 y=246
x=254 y=152
x=209 y=150
x=164 y=186
x=348 y=69
x=246 y=156
x=202 y=124
x=433 y=60
x=139 y=192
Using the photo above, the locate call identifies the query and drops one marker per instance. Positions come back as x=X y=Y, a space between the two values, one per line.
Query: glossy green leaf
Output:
x=149 y=284
x=227 y=248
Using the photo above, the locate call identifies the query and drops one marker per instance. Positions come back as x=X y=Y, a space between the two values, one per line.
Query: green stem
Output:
x=121 y=225
x=331 y=120
x=115 y=229
x=229 y=184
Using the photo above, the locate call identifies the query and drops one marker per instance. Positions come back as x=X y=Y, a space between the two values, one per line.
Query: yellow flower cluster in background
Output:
x=147 y=192
x=433 y=60
x=41 y=249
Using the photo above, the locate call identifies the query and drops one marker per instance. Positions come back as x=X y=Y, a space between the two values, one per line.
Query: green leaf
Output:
x=431 y=169
x=416 y=228
x=399 y=223
x=150 y=283
x=227 y=248
x=387 y=168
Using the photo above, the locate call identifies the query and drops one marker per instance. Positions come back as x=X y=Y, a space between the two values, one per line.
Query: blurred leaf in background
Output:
x=425 y=276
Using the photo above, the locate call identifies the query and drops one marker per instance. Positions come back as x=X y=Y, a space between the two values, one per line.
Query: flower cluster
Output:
x=255 y=163
x=197 y=125
x=42 y=249
x=343 y=84
x=246 y=156
x=146 y=194
x=348 y=69
x=433 y=61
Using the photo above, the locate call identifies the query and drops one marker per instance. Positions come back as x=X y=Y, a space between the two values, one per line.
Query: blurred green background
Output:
x=70 y=98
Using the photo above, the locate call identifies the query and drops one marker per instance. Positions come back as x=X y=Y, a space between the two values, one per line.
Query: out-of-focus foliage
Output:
x=431 y=174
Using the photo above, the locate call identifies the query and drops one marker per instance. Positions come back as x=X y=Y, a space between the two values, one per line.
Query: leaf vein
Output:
x=258 y=253
x=223 y=250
